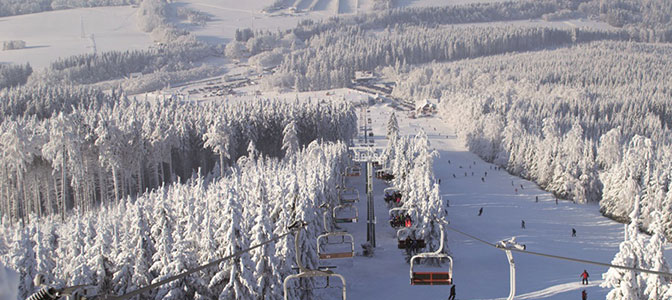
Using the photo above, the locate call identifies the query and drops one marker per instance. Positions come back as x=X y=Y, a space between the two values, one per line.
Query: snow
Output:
x=50 y=35
x=480 y=271
x=229 y=15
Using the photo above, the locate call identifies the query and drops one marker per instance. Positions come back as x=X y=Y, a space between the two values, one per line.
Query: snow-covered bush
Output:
x=13 y=45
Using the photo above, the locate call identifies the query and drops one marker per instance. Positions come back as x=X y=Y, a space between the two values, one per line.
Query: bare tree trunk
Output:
x=221 y=164
x=63 y=189
x=102 y=187
x=139 y=178
x=116 y=185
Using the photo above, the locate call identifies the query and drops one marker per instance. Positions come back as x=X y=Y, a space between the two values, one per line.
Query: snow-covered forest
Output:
x=93 y=68
x=135 y=242
x=14 y=75
x=331 y=58
x=583 y=122
x=91 y=148
x=21 y=7
x=98 y=187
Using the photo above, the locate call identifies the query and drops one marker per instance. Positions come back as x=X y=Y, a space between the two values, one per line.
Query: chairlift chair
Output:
x=406 y=234
x=324 y=254
x=308 y=273
x=349 y=196
x=384 y=174
x=347 y=219
x=353 y=171
x=432 y=277
x=396 y=211
x=393 y=195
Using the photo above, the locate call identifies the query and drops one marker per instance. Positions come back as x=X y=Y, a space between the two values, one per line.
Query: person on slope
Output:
x=584 y=295
x=573 y=232
x=584 y=277
x=452 y=293
x=480 y=211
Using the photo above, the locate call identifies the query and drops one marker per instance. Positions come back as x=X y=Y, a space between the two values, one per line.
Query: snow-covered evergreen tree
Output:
x=290 y=139
x=392 y=126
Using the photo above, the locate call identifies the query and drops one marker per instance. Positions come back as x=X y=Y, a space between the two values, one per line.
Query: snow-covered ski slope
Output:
x=55 y=34
x=481 y=272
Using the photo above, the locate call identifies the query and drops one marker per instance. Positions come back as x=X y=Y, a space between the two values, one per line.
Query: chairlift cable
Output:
x=668 y=274
x=189 y=272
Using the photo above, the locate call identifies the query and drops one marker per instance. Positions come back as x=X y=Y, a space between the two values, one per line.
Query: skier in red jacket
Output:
x=584 y=277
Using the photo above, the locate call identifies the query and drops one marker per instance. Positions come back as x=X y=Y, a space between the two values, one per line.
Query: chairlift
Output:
x=345 y=239
x=432 y=277
x=407 y=237
x=323 y=240
x=401 y=217
x=393 y=196
x=353 y=171
x=351 y=218
x=384 y=174
x=308 y=273
x=349 y=196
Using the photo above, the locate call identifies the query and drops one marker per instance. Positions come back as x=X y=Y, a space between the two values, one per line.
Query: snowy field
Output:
x=229 y=15
x=480 y=272
x=50 y=35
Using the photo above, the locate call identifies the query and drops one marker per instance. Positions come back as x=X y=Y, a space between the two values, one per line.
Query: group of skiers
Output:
x=400 y=220
x=412 y=246
x=393 y=199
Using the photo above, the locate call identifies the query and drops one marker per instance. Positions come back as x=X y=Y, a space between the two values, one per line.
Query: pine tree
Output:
x=290 y=139
x=218 y=139
x=656 y=285
x=392 y=126
x=628 y=284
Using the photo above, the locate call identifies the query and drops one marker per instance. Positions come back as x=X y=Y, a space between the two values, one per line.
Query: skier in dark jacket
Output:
x=573 y=232
x=452 y=293
x=584 y=295
x=480 y=212
x=584 y=277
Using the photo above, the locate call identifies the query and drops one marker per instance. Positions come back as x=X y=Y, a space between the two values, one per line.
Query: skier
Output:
x=483 y=179
x=452 y=293
x=584 y=295
x=521 y=187
x=439 y=181
x=556 y=200
x=522 y=224
x=454 y=175
x=486 y=173
x=573 y=232
x=480 y=211
x=584 y=277
x=536 y=199
x=516 y=189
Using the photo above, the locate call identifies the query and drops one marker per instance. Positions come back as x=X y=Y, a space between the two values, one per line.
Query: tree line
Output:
x=14 y=75
x=331 y=58
x=22 y=7
x=582 y=122
x=109 y=147
x=138 y=241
